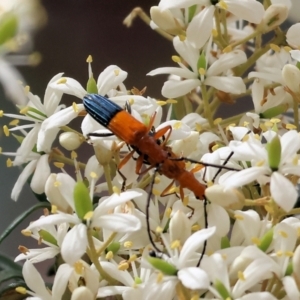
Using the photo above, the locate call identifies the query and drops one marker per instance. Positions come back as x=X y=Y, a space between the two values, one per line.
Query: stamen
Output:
x=62 y=80
x=159 y=229
x=14 y=122
x=287 y=48
x=161 y=102
x=202 y=71
x=175 y=244
x=93 y=175
x=255 y=240
x=172 y=101
x=78 y=267
x=223 y=5
x=241 y=276
x=75 y=107
x=9 y=163
x=196 y=227
x=24 y=110
x=26 y=232
x=53 y=209
x=239 y=217
x=290 y=126
x=132 y=258
x=176 y=58
x=21 y=290
x=289 y=253
x=279 y=253
x=88 y=216
x=123 y=266
x=109 y=255
x=128 y=244
x=275 y=47
x=58 y=165
x=23 y=249
x=6 y=130
x=89 y=59
x=117 y=72
x=1 y=113
x=156 y=192
x=177 y=125
x=217 y=121
x=116 y=190
x=73 y=155
x=283 y=234
x=160 y=277
x=186 y=200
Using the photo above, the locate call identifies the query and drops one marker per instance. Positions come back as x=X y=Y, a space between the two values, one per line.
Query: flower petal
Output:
x=193 y=278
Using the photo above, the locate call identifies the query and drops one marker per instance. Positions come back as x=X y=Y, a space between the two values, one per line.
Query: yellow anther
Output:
x=116 y=190
x=73 y=155
x=93 y=175
x=160 y=277
x=88 y=216
x=6 y=130
x=214 y=33
x=159 y=229
x=57 y=183
x=26 y=89
x=132 y=258
x=79 y=267
x=156 y=192
x=9 y=163
x=241 y=276
x=89 y=59
x=0 y=150
x=245 y=138
x=195 y=297
x=176 y=58
x=245 y=124
x=198 y=127
x=14 y=122
x=215 y=147
x=26 y=232
x=177 y=125
x=287 y=48
x=128 y=244
x=117 y=72
x=53 y=209
x=275 y=120
x=182 y=37
x=289 y=253
x=175 y=244
x=279 y=253
x=161 y=102
x=59 y=165
x=275 y=47
x=23 y=249
x=256 y=136
x=172 y=101
x=1 y=113
x=255 y=241
x=62 y=80
x=46 y=212
x=172 y=190
x=168 y=212
x=217 y=121
x=209 y=183
x=202 y=71
x=268 y=124
x=157 y=179
x=24 y=110
x=75 y=107
x=290 y=126
x=283 y=234
x=223 y=5
x=185 y=200
x=196 y=227
x=263 y=127
x=228 y=48
x=123 y=266
x=260 y=163
x=131 y=101
x=109 y=255
x=21 y=290
x=239 y=217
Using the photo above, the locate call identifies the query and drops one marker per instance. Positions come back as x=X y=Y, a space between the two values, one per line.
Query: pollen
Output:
x=268 y=124
x=21 y=290
x=73 y=155
x=198 y=127
x=214 y=33
x=93 y=175
x=175 y=244
x=128 y=244
x=27 y=89
x=289 y=253
x=177 y=125
x=227 y=49
x=109 y=255
x=24 y=110
x=9 y=163
x=75 y=107
x=202 y=71
x=176 y=58
x=58 y=165
x=217 y=121
x=172 y=101
x=168 y=212
x=215 y=147
x=57 y=183
x=157 y=179
x=26 y=232
x=283 y=234
x=23 y=249
x=1 y=113
x=241 y=276
x=209 y=183
x=196 y=227
x=260 y=163
x=186 y=200
x=132 y=258
x=275 y=47
x=159 y=277
x=89 y=59
x=88 y=216
x=195 y=297
x=159 y=229
x=161 y=102
x=123 y=266
x=78 y=267
x=239 y=217
x=62 y=80
x=245 y=124
x=182 y=38
x=53 y=209
x=287 y=48
x=117 y=72
x=275 y=120
x=255 y=240
x=279 y=253
x=116 y=190
x=290 y=126
x=6 y=130
x=14 y=122
x=223 y=5
x=131 y=101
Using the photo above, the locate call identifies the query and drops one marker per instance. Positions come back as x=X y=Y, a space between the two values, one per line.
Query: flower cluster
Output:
x=187 y=208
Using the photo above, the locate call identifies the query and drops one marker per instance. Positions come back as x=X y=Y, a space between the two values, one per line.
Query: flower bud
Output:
x=186 y=146
x=162 y=266
x=292 y=36
x=47 y=237
x=266 y=240
x=82 y=292
x=91 y=86
x=274 y=111
x=114 y=247
x=220 y=287
x=70 y=140
x=275 y=15
x=291 y=77
x=82 y=200
x=274 y=153
x=8 y=27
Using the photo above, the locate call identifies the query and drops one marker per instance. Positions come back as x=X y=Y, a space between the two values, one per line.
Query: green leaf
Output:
x=9 y=292
x=10 y=274
x=8 y=263
x=21 y=217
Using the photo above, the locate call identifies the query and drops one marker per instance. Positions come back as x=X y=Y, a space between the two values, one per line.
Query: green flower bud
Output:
x=82 y=200
x=273 y=112
x=113 y=247
x=192 y=10
x=91 y=86
x=47 y=237
x=138 y=280
x=201 y=64
x=225 y=243
x=274 y=153
x=222 y=289
x=8 y=27
x=162 y=266
x=289 y=269
x=266 y=240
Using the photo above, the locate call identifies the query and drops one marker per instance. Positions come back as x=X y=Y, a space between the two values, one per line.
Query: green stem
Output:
x=219 y=30
x=94 y=258
x=65 y=160
x=106 y=243
x=106 y=169
x=207 y=111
